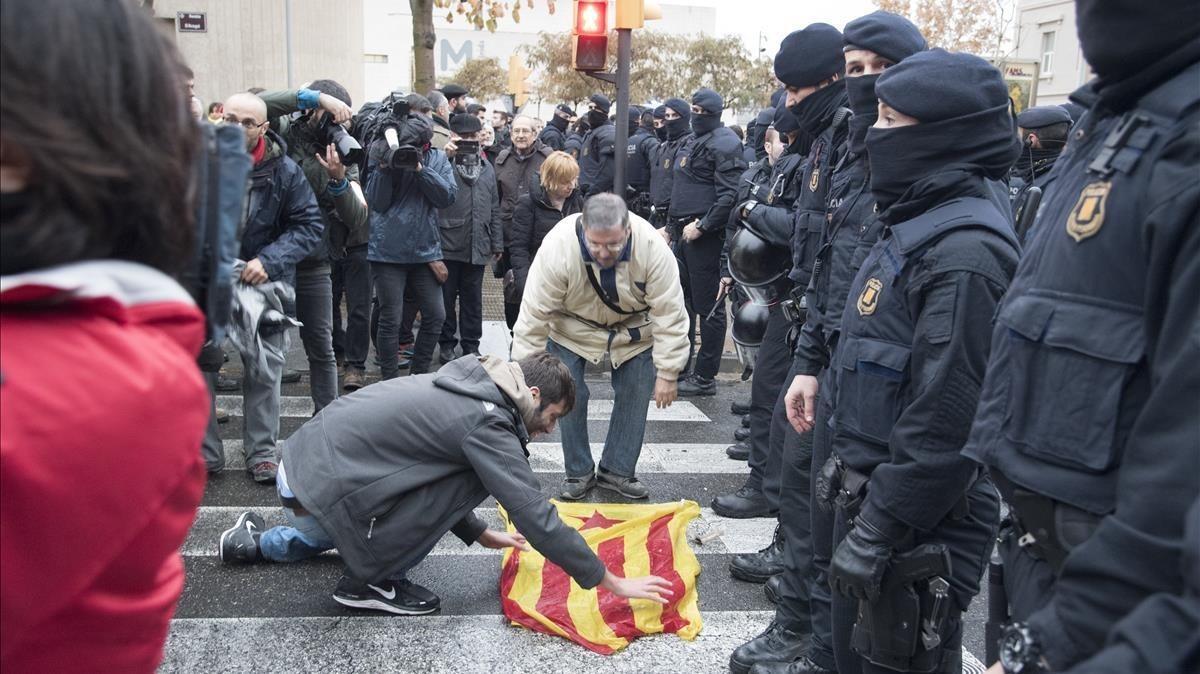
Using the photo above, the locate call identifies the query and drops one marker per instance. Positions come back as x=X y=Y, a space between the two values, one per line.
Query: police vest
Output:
x=637 y=161
x=595 y=162
x=693 y=178
x=1068 y=374
x=871 y=371
x=812 y=204
x=661 y=169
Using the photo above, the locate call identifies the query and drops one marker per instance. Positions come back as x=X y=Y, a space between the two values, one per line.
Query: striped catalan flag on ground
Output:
x=631 y=540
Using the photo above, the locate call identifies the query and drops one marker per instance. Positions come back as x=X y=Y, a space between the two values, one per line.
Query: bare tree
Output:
x=975 y=26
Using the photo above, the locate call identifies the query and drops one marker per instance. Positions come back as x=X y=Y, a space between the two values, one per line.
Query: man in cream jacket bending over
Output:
x=604 y=282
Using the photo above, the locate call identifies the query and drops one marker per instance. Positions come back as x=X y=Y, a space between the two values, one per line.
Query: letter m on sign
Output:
x=455 y=56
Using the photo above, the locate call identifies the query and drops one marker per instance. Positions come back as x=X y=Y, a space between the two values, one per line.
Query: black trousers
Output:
x=352 y=276
x=795 y=505
x=969 y=541
x=700 y=274
x=464 y=284
x=771 y=367
x=821 y=651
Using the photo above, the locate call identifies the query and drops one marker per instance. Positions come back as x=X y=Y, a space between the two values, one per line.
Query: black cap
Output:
x=565 y=110
x=680 y=106
x=1043 y=116
x=778 y=96
x=892 y=36
x=660 y=112
x=1073 y=109
x=465 y=123
x=708 y=100
x=810 y=56
x=474 y=108
x=936 y=84
x=765 y=116
x=454 y=91
x=601 y=101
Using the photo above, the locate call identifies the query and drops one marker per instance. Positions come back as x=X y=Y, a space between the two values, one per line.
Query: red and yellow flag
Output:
x=631 y=540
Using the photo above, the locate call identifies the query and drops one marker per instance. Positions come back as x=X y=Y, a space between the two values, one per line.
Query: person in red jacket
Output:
x=102 y=407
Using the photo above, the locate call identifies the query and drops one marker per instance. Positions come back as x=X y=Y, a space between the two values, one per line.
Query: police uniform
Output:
x=554 y=134
x=1033 y=167
x=1089 y=407
x=573 y=145
x=915 y=519
x=662 y=165
x=638 y=154
x=596 y=160
x=703 y=187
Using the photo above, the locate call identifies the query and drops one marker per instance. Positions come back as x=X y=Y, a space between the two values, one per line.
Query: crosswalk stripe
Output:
x=598 y=410
x=721 y=535
x=547 y=457
x=460 y=643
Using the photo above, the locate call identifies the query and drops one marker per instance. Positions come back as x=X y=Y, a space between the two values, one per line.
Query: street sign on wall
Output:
x=191 y=22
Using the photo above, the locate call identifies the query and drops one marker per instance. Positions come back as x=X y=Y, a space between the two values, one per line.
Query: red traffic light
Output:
x=591 y=17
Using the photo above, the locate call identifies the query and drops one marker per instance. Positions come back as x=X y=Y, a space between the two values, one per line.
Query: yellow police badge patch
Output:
x=869 y=298
x=683 y=162
x=814 y=180
x=1088 y=215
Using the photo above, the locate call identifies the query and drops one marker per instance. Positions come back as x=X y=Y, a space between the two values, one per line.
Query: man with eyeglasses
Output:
x=516 y=170
x=605 y=283
x=283 y=225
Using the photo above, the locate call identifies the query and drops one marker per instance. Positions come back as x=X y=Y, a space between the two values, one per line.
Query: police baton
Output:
x=717 y=303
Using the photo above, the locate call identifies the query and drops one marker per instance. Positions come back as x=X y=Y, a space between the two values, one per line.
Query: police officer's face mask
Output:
x=706 y=123
x=860 y=91
x=676 y=127
x=596 y=118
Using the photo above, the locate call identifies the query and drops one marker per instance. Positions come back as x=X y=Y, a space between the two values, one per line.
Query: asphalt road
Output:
x=282 y=618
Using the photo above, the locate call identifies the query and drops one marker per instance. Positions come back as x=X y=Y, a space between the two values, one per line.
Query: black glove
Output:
x=857 y=567
x=827 y=485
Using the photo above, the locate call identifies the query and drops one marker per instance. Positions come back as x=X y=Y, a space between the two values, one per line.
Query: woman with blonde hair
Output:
x=554 y=197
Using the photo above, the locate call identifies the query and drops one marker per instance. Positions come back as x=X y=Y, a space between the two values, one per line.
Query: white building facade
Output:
x=1045 y=32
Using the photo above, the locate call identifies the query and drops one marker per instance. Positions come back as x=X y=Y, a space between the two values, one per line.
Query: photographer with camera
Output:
x=471 y=237
x=310 y=122
x=409 y=180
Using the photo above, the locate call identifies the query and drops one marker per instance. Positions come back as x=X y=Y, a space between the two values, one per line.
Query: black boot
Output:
x=696 y=385
x=776 y=644
x=745 y=421
x=760 y=566
x=739 y=451
x=745 y=503
x=740 y=406
x=802 y=665
x=741 y=434
x=771 y=588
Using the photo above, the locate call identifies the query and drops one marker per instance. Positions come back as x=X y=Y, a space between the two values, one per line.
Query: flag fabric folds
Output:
x=631 y=540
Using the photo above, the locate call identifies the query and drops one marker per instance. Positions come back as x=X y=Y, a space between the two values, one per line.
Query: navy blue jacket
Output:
x=283 y=223
x=404 y=208
x=705 y=180
x=596 y=166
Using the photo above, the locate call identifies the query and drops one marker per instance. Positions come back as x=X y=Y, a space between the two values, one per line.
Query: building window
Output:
x=375 y=58
x=1047 y=52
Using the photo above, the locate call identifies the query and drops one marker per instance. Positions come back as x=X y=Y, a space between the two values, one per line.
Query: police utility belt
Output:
x=1045 y=528
x=902 y=629
x=795 y=307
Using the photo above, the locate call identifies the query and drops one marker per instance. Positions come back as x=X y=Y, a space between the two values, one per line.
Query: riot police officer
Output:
x=703 y=187
x=677 y=120
x=573 y=145
x=915 y=519
x=554 y=135
x=597 y=154
x=638 y=153
x=1087 y=417
x=872 y=43
x=660 y=116
x=1044 y=132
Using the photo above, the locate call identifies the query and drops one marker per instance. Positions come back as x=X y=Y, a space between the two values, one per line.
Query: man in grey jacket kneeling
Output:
x=382 y=474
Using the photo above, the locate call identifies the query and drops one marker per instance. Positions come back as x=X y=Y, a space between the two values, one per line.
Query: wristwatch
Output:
x=1020 y=652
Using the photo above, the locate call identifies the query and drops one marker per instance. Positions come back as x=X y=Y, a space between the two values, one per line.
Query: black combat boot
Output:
x=745 y=503
x=742 y=434
x=739 y=451
x=775 y=644
x=740 y=406
x=758 y=567
x=801 y=665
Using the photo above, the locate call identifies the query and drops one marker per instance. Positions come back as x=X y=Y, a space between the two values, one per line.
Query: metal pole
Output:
x=624 y=54
x=287 y=40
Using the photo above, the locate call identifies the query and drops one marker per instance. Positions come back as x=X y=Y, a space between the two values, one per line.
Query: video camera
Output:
x=406 y=133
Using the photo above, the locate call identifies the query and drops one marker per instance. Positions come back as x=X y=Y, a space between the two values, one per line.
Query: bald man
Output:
x=283 y=225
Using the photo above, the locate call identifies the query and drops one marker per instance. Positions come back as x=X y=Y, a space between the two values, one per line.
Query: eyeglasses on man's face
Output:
x=248 y=123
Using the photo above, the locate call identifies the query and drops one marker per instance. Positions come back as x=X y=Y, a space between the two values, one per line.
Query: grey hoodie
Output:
x=389 y=469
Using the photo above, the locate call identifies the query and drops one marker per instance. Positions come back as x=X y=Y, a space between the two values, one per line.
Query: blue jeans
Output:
x=633 y=383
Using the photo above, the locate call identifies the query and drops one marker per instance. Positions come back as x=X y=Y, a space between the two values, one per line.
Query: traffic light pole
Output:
x=620 y=80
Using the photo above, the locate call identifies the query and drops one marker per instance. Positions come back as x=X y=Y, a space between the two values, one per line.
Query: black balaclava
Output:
x=661 y=131
x=711 y=103
x=891 y=36
x=561 y=118
x=815 y=112
x=961 y=102
x=761 y=123
x=678 y=128
x=598 y=116
x=635 y=120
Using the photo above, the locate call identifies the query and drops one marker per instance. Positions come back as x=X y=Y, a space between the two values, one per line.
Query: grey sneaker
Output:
x=264 y=472
x=575 y=488
x=629 y=487
x=239 y=543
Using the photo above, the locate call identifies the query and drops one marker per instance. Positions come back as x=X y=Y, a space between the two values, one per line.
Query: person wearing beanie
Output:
x=598 y=154
x=915 y=334
x=871 y=44
x=810 y=65
x=1044 y=132
x=554 y=135
x=703 y=188
x=638 y=155
x=472 y=237
x=659 y=116
x=1088 y=408
x=676 y=127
